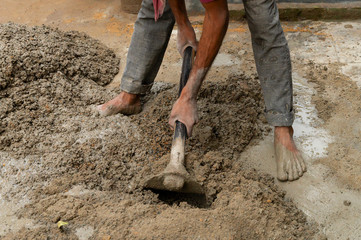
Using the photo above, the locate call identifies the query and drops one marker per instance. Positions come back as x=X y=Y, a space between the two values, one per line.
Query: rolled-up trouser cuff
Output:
x=134 y=86
x=280 y=119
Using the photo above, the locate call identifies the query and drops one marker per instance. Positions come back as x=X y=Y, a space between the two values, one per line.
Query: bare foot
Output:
x=125 y=103
x=290 y=163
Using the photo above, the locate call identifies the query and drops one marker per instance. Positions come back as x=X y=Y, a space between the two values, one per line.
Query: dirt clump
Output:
x=67 y=163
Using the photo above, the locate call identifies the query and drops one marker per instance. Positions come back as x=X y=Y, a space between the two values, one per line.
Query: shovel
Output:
x=175 y=177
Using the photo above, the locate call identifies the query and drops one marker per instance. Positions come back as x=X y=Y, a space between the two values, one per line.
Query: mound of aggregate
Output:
x=32 y=53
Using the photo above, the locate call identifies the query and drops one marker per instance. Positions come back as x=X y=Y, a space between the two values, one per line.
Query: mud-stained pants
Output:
x=271 y=52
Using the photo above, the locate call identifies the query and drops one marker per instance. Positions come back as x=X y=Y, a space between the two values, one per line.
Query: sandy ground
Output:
x=326 y=61
x=50 y=83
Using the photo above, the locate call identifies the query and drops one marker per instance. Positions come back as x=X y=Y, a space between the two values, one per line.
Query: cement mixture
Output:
x=344 y=160
x=60 y=161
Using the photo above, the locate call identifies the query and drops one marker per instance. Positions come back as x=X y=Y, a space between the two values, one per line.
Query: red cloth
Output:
x=158 y=8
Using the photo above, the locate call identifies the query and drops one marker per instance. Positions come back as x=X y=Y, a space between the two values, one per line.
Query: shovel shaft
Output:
x=180 y=132
x=175 y=176
x=178 y=145
x=186 y=68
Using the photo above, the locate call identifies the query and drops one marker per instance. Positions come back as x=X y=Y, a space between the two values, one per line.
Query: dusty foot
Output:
x=124 y=103
x=290 y=163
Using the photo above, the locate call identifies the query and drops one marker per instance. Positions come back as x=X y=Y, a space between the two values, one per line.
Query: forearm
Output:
x=214 y=29
x=180 y=12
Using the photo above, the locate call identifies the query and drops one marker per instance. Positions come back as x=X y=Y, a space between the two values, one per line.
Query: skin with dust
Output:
x=289 y=160
x=185 y=35
x=185 y=108
x=290 y=165
x=184 y=42
x=124 y=103
x=196 y=81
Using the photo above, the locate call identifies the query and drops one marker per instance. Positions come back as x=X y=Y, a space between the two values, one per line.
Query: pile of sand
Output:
x=72 y=165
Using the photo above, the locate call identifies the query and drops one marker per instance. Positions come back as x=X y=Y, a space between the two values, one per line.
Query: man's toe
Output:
x=290 y=171
x=282 y=176
x=100 y=110
x=281 y=171
x=296 y=173
x=301 y=162
x=299 y=169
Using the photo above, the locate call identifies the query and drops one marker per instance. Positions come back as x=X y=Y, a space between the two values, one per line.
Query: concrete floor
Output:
x=321 y=192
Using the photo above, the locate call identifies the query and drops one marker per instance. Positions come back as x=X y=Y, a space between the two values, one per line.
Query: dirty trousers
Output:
x=270 y=48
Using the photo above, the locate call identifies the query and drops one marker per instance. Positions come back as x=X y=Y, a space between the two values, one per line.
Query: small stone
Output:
x=347 y=203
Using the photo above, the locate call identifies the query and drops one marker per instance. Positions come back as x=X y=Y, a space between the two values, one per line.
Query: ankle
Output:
x=129 y=98
x=283 y=131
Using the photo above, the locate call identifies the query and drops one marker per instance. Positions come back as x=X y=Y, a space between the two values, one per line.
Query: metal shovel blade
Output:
x=186 y=184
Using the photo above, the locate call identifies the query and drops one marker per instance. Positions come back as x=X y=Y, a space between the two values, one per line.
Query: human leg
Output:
x=273 y=64
x=145 y=55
